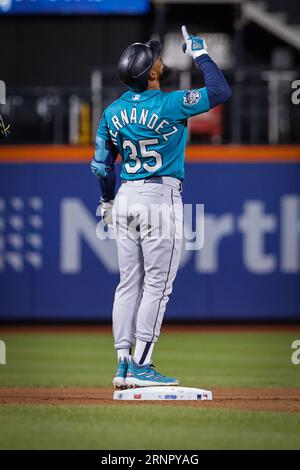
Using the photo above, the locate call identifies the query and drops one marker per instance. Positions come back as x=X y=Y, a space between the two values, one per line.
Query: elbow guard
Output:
x=105 y=155
x=98 y=169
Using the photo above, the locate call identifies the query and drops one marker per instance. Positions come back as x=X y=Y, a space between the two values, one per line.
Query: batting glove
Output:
x=106 y=211
x=193 y=45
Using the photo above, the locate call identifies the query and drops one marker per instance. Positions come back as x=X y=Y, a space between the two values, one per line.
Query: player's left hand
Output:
x=193 y=45
x=106 y=211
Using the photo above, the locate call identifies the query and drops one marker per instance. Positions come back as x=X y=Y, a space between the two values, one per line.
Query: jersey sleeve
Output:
x=103 y=131
x=103 y=163
x=105 y=151
x=184 y=104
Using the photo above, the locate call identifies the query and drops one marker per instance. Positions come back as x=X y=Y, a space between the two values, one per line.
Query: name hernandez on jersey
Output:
x=140 y=117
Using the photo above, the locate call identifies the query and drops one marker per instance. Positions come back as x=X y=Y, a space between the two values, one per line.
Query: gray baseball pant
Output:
x=148 y=222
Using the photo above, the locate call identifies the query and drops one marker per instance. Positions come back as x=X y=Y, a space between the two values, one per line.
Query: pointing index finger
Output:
x=184 y=32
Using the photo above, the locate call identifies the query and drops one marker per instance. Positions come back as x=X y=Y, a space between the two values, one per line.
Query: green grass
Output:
x=210 y=359
x=144 y=427
x=204 y=360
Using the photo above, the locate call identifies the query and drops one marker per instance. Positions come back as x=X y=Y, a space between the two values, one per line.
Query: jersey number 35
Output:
x=144 y=152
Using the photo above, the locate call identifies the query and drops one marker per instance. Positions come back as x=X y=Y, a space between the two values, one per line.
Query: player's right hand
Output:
x=106 y=211
x=193 y=45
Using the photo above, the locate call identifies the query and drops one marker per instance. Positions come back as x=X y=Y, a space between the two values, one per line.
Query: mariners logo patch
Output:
x=191 y=97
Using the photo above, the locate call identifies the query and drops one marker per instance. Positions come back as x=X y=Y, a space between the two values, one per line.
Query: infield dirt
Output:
x=250 y=399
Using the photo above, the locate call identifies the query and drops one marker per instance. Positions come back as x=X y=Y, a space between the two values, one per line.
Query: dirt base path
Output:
x=259 y=399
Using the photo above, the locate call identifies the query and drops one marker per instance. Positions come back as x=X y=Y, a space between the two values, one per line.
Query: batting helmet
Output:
x=136 y=62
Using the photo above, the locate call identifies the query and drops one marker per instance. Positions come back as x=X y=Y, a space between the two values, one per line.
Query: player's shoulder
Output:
x=161 y=99
x=112 y=107
x=126 y=100
x=170 y=101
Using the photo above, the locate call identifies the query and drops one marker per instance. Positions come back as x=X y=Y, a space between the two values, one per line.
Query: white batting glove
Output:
x=193 y=45
x=106 y=211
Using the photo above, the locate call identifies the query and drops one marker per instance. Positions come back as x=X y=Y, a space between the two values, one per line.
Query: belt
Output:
x=150 y=179
x=157 y=180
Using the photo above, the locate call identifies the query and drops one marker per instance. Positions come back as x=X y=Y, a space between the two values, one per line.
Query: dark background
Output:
x=47 y=59
x=63 y=50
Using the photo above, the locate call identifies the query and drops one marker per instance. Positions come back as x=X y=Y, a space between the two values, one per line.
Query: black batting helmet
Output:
x=136 y=62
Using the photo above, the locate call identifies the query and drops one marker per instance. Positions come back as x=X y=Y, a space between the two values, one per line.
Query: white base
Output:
x=163 y=393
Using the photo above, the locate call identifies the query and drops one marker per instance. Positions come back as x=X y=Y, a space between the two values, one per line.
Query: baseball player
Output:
x=148 y=128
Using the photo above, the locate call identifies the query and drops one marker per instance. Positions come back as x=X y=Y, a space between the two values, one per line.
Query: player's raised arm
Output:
x=102 y=167
x=217 y=87
x=186 y=103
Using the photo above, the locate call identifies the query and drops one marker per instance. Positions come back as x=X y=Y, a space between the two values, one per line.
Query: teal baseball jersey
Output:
x=149 y=130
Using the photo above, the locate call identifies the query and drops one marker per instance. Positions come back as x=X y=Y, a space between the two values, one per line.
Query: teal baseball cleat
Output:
x=119 y=380
x=146 y=376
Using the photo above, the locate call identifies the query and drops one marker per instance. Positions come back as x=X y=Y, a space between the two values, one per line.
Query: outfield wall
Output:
x=52 y=265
